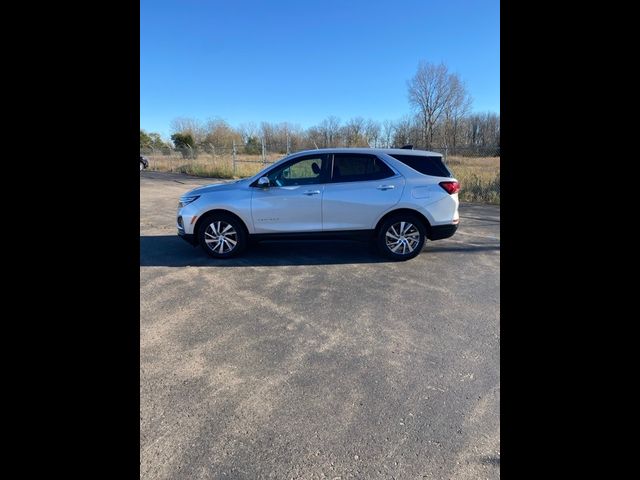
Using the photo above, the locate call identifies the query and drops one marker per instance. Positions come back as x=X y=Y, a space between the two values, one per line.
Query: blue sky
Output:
x=301 y=61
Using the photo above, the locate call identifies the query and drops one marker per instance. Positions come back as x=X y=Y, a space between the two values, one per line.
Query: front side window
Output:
x=356 y=167
x=300 y=171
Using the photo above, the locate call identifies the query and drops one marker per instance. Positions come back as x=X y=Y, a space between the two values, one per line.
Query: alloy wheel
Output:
x=221 y=237
x=402 y=238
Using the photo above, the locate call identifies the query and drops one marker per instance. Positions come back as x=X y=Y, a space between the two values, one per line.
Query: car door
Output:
x=361 y=189
x=293 y=200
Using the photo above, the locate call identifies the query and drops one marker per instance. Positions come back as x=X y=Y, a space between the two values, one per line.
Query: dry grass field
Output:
x=479 y=176
x=214 y=166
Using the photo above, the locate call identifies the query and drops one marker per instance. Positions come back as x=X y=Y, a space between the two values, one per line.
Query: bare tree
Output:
x=330 y=129
x=248 y=130
x=456 y=108
x=313 y=137
x=220 y=134
x=432 y=91
x=480 y=133
x=296 y=136
x=492 y=129
x=280 y=137
x=189 y=126
x=387 y=133
x=354 y=131
x=267 y=132
x=452 y=126
x=405 y=131
x=372 y=132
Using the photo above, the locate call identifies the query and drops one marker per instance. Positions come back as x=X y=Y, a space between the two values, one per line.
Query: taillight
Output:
x=450 y=187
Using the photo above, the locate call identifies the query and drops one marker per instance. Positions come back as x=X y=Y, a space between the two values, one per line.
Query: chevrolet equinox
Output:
x=398 y=197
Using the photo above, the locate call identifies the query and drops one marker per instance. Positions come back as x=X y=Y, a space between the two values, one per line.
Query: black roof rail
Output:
x=407 y=147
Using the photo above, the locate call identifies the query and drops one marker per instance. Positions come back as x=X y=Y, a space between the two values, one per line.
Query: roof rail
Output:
x=407 y=147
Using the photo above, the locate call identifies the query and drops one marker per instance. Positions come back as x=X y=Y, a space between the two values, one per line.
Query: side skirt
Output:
x=356 y=235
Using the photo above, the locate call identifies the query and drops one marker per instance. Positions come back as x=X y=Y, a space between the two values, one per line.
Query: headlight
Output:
x=184 y=201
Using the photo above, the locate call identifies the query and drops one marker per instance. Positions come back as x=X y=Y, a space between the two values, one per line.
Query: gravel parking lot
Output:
x=317 y=359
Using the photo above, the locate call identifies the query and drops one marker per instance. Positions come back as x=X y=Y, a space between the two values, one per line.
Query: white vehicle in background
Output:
x=400 y=197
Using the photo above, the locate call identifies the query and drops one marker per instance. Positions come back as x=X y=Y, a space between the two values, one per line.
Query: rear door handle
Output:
x=386 y=187
x=312 y=192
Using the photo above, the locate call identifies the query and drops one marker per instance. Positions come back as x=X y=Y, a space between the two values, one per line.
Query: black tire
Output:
x=411 y=244
x=212 y=245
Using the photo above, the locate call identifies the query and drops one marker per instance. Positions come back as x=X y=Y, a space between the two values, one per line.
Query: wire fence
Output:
x=231 y=157
x=476 y=167
x=260 y=154
x=468 y=151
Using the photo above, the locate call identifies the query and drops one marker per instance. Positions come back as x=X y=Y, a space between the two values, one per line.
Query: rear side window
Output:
x=427 y=165
x=355 y=167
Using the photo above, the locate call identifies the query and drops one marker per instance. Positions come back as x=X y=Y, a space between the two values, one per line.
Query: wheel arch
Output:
x=406 y=211
x=199 y=222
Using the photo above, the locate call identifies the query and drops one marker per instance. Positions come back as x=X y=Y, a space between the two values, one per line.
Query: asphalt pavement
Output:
x=317 y=359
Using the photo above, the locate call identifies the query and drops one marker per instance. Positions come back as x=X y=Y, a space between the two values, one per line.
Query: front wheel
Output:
x=222 y=236
x=401 y=237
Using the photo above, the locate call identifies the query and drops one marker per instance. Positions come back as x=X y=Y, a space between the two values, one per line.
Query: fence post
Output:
x=264 y=158
x=152 y=159
x=234 y=158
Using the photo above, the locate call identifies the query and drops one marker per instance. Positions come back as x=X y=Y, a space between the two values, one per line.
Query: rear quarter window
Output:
x=426 y=165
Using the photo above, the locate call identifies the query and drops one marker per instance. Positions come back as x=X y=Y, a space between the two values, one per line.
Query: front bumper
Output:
x=442 y=231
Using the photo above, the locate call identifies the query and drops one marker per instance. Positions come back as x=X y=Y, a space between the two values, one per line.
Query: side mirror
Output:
x=263 y=182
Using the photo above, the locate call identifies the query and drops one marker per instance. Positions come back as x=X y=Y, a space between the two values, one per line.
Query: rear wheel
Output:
x=222 y=236
x=401 y=237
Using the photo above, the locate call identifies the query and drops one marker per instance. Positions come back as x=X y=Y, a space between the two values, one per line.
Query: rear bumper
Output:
x=442 y=231
x=189 y=238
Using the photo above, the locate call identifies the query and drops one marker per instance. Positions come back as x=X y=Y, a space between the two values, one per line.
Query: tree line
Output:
x=441 y=117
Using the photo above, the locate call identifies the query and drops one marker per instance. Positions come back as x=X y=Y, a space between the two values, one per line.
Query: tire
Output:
x=408 y=244
x=210 y=239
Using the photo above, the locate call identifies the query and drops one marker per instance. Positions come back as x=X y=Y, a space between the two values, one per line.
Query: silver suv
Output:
x=399 y=197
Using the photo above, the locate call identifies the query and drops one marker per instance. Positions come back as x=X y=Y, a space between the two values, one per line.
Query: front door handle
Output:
x=386 y=187
x=312 y=192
